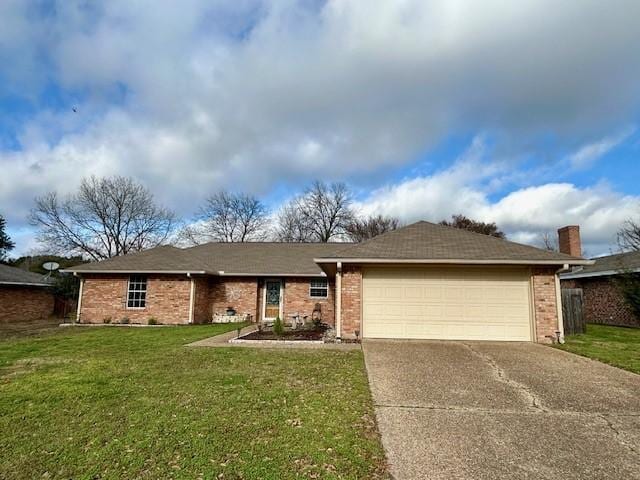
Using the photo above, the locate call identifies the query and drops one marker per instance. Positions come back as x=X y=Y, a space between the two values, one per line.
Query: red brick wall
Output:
x=603 y=301
x=22 y=303
x=106 y=296
x=351 y=308
x=569 y=240
x=241 y=293
x=297 y=300
x=544 y=304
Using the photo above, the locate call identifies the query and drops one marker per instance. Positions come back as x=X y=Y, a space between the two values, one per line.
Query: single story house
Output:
x=24 y=296
x=422 y=281
x=602 y=297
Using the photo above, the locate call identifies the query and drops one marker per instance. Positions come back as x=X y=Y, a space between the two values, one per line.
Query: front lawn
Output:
x=136 y=403
x=616 y=346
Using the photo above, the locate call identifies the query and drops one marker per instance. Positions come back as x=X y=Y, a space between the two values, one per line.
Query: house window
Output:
x=137 y=292
x=319 y=288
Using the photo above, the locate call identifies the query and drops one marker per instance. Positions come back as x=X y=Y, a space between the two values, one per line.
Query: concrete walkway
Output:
x=485 y=410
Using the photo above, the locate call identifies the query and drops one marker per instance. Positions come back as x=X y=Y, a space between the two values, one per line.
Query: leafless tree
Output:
x=229 y=217
x=465 y=223
x=107 y=217
x=629 y=235
x=321 y=214
x=549 y=241
x=361 y=229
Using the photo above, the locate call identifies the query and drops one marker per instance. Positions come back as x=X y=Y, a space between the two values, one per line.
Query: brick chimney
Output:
x=569 y=240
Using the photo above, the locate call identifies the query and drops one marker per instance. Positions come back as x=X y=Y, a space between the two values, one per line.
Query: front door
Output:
x=272 y=299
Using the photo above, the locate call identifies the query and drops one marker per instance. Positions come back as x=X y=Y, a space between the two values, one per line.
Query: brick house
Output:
x=24 y=296
x=420 y=281
x=603 y=300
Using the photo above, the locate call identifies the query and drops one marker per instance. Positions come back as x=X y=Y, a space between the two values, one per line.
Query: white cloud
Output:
x=588 y=154
x=194 y=96
x=524 y=214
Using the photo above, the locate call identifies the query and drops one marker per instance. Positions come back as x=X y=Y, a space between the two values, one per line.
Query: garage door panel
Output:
x=446 y=303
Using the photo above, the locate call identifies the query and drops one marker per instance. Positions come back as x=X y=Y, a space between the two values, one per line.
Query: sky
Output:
x=523 y=113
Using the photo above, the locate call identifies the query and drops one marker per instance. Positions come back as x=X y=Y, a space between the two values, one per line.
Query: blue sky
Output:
x=524 y=113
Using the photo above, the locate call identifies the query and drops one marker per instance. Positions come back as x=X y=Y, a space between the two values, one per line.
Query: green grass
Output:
x=616 y=346
x=136 y=403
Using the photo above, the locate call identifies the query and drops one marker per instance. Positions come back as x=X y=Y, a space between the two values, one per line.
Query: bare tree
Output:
x=229 y=217
x=6 y=244
x=321 y=214
x=361 y=229
x=549 y=241
x=629 y=235
x=107 y=217
x=465 y=223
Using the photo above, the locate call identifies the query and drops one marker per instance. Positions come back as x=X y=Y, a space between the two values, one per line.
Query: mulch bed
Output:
x=288 y=335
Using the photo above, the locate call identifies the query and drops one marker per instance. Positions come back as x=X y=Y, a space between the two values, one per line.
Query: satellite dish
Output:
x=51 y=266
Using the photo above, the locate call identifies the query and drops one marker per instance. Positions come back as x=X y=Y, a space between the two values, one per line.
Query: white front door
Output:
x=272 y=300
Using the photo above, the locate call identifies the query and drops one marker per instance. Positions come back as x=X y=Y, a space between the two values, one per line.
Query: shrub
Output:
x=106 y=320
x=124 y=321
x=152 y=321
x=278 y=327
x=629 y=284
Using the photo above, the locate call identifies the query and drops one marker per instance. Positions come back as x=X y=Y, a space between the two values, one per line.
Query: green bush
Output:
x=278 y=327
x=152 y=321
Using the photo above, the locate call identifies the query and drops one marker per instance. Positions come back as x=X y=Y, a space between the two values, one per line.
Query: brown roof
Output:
x=428 y=242
x=609 y=265
x=422 y=241
x=252 y=258
x=17 y=276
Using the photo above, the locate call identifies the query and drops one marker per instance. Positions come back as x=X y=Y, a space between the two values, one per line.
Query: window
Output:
x=319 y=288
x=137 y=292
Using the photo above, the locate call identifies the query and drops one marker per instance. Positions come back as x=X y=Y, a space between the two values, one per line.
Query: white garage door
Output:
x=446 y=303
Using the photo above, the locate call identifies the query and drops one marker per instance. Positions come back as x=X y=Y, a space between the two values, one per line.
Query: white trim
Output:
x=559 y=305
x=79 y=300
x=129 y=272
x=192 y=298
x=602 y=273
x=453 y=261
x=264 y=299
x=27 y=284
x=338 y=301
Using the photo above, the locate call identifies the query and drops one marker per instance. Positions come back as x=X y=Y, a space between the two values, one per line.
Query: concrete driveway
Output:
x=452 y=410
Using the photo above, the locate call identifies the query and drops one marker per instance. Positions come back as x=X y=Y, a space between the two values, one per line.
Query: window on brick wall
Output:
x=319 y=288
x=137 y=292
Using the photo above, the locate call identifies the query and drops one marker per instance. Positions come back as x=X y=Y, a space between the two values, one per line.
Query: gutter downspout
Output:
x=79 y=298
x=560 y=333
x=339 y=301
x=192 y=297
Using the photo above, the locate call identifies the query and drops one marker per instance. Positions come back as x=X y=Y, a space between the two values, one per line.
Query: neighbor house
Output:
x=24 y=296
x=603 y=300
x=422 y=281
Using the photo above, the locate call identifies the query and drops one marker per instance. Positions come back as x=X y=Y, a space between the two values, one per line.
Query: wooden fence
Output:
x=573 y=311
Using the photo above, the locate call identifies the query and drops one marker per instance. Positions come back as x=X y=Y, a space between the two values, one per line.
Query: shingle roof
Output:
x=17 y=276
x=254 y=258
x=427 y=241
x=609 y=265
x=420 y=241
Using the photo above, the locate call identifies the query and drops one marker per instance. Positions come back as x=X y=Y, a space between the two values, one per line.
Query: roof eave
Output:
x=27 y=284
x=169 y=272
x=600 y=273
x=452 y=261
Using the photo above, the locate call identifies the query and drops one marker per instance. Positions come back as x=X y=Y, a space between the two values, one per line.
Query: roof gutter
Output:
x=27 y=284
x=452 y=261
x=177 y=272
x=601 y=273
